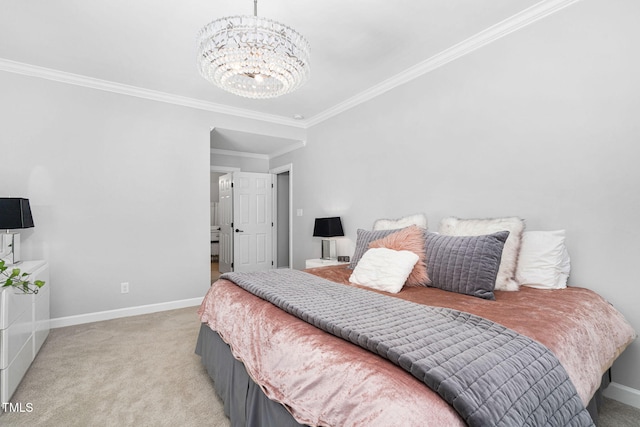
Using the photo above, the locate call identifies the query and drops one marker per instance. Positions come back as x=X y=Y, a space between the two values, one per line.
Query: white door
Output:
x=225 y=218
x=252 y=221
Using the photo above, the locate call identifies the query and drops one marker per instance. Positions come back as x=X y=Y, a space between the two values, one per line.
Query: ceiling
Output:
x=356 y=46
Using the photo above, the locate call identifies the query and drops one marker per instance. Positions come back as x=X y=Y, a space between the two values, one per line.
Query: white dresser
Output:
x=24 y=325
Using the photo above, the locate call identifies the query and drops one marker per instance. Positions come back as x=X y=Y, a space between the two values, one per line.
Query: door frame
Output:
x=278 y=170
x=223 y=170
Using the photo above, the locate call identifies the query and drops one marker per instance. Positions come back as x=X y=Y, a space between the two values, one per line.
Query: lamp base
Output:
x=329 y=249
x=10 y=248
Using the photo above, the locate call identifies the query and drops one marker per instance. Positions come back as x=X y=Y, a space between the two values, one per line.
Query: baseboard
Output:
x=622 y=393
x=99 y=316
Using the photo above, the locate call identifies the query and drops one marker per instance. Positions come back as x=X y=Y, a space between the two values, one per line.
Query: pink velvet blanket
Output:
x=323 y=380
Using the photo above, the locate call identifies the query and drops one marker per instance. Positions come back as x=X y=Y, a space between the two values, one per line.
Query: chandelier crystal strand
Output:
x=253 y=57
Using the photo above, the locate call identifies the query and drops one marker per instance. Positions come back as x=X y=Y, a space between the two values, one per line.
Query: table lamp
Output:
x=15 y=213
x=328 y=227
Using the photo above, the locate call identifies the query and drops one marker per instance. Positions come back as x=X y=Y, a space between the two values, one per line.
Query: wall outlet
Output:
x=124 y=287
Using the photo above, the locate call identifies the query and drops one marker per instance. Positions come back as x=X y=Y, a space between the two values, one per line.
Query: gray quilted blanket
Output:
x=491 y=375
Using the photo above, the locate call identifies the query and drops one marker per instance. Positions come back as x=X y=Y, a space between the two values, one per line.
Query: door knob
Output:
x=239 y=231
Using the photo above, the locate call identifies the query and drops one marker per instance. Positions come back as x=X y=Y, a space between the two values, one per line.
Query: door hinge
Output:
x=232 y=185
x=271 y=262
x=231 y=265
x=272 y=224
x=231 y=225
x=272 y=185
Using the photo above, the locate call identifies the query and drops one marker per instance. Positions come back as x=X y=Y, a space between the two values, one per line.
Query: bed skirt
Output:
x=247 y=406
x=244 y=402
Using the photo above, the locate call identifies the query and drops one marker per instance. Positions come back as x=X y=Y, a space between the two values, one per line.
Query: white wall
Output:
x=119 y=189
x=542 y=124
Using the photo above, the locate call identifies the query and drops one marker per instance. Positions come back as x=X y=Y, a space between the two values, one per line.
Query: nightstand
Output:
x=317 y=262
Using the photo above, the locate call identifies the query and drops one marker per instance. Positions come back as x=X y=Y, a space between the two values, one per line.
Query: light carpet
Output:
x=142 y=371
x=133 y=371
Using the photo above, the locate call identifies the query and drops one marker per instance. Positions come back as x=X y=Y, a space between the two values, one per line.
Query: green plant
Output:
x=18 y=280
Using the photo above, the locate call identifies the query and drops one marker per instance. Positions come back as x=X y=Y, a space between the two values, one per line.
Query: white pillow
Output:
x=544 y=261
x=394 y=224
x=506 y=279
x=384 y=269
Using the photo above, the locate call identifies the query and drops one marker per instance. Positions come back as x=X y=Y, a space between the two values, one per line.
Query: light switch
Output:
x=299 y=212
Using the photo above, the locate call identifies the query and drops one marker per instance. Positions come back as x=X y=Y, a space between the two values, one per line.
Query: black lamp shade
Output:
x=328 y=227
x=15 y=213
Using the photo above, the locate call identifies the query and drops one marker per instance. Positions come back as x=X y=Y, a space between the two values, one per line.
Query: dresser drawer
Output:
x=13 y=339
x=11 y=376
x=13 y=304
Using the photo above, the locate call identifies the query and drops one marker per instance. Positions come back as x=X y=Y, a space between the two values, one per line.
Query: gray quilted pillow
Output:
x=465 y=264
x=362 y=243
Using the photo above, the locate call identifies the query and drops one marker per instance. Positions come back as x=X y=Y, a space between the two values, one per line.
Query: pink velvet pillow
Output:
x=408 y=239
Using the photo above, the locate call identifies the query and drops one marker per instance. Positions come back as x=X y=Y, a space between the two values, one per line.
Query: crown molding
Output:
x=138 y=92
x=224 y=169
x=239 y=154
x=491 y=34
x=287 y=149
x=277 y=153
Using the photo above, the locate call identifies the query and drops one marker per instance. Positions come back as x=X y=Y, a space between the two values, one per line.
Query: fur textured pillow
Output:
x=384 y=269
x=506 y=279
x=394 y=224
x=408 y=239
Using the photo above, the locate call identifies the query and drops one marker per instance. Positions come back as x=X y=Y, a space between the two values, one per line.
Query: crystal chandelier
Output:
x=253 y=57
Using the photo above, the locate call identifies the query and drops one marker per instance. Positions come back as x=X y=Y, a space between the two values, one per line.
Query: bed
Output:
x=272 y=368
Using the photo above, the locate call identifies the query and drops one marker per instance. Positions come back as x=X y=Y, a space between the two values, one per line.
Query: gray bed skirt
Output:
x=247 y=406
x=244 y=402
